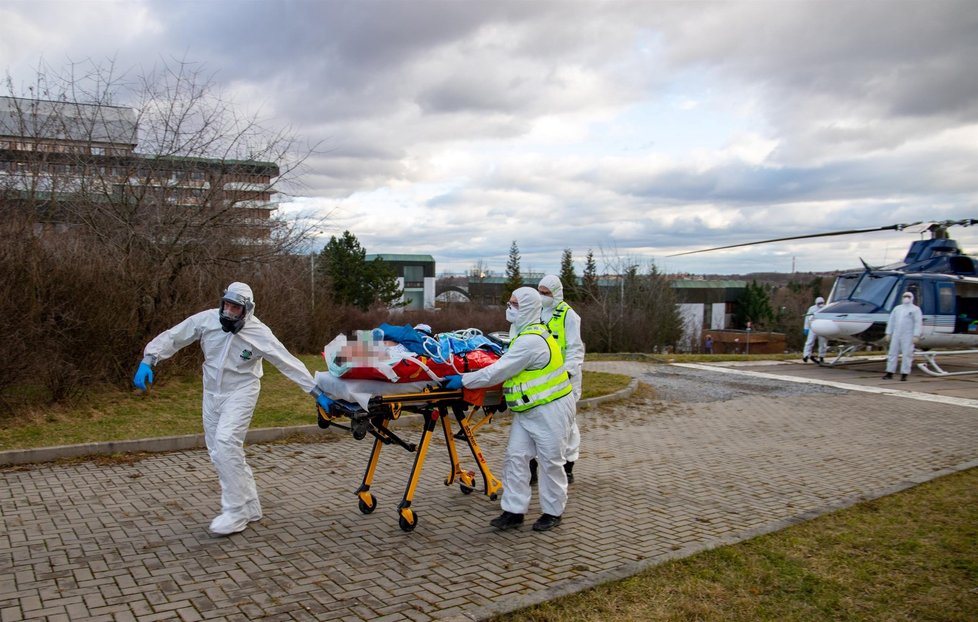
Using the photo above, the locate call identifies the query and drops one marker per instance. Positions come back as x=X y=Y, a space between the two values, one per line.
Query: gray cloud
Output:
x=476 y=123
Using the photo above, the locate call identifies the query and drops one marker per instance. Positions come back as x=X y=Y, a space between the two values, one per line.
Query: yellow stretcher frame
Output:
x=433 y=405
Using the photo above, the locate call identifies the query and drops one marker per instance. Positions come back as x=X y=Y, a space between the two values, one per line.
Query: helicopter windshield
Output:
x=843 y=287
x=874 y=288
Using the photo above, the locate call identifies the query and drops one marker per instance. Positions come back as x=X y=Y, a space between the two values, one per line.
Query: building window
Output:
x=413 y=276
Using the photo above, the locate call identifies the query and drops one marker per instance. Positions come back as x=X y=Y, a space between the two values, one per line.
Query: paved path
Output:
x=660 y=477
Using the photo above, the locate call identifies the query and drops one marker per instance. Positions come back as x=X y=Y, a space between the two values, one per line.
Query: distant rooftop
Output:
x=397 y=257
x=528 y=278
x=698 y=284
x=51 y=120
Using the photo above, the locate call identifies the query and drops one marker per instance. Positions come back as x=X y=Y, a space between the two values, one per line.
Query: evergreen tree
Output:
x=353 y=280
x=514 y=280
x=817 y=286
x=631 y=283
x=568 y=278
x=382 y=284
x=589 y=282
x=754 y=306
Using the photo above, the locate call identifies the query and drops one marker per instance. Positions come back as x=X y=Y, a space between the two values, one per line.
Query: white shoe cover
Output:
x=225 y=525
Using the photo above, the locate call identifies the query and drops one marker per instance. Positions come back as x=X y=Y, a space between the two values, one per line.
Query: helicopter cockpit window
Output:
x=874 y=288
x=843 y=287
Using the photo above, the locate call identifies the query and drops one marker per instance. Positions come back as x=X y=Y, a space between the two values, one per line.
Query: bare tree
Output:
x=629 y=310
x=480 y=270
x=144 y=210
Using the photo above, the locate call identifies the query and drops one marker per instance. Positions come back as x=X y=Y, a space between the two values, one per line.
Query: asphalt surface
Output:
x=713 y=455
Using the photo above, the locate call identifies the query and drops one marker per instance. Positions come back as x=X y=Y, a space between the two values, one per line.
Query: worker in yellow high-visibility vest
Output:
x=539 y=393
x=565 y=325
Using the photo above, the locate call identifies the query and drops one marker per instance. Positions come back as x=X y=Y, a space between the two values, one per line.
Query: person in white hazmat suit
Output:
x=539 y=393
x=810 y=335
x=903 y=331
x=565 y=325
x=234 y=342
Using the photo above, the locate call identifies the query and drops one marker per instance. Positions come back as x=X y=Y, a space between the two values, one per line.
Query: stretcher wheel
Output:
x=367 y=503
x=359 y=428
x=408 y=520
x=466 y=482
x=322 y=421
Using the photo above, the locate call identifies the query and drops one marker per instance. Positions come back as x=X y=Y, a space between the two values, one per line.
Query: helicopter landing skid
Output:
x=839 y=359
x=930 y=367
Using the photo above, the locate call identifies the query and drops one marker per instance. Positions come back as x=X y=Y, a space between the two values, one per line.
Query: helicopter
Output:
x=943 y=279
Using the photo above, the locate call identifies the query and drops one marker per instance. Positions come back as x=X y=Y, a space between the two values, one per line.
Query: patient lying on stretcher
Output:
x=370 y=353
x=370 y=358
x=377 y=356
x=374 y=364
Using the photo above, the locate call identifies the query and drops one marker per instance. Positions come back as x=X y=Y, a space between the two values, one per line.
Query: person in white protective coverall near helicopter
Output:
x=234 y=342
x=810 y=335
x=539 y=393
x=903 y=330
x=565 y=325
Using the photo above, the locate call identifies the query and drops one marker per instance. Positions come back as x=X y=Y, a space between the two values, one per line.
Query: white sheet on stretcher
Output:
x=360 y=391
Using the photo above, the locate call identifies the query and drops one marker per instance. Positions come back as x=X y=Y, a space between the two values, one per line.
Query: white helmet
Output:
x=237 y=294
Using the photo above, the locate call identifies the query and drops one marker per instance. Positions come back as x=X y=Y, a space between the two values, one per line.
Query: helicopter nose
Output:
x=826 y=328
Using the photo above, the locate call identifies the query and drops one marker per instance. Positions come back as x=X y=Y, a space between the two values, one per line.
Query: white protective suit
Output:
x=232 y=372
x=573 y=354
x=823 y=342
x=905 y=324
x=541 y=431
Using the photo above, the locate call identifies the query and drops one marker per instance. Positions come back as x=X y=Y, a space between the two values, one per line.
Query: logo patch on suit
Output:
x=246 y=355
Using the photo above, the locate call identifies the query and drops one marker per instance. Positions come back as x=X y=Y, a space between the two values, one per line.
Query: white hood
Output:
x=529 y=311
x=552 y=282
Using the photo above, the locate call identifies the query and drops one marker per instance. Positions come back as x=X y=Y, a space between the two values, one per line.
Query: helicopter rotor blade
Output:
x=944 y=224
x=899 y=227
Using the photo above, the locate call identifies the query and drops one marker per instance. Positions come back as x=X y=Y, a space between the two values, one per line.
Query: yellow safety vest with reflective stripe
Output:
x=556 y=325
x=531 y=388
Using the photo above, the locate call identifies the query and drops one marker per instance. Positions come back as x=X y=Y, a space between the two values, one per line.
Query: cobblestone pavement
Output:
x=658 y=478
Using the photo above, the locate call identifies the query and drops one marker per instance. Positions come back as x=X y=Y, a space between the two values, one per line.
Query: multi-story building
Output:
x=56 y=157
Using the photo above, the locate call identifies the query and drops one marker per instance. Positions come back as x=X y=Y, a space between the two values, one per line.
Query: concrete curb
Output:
x=196 y=441
x=147 y=445
x=591 y=402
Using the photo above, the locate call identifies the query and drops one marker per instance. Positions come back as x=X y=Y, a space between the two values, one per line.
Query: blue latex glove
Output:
x=324 y=402
x=453 y=382
x=143 y=375
x=806 y=332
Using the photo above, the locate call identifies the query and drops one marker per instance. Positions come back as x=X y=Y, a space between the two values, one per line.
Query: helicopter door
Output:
x=965 y=307
x=945 y=298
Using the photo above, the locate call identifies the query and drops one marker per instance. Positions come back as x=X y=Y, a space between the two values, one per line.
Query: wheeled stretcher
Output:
x=471 y=410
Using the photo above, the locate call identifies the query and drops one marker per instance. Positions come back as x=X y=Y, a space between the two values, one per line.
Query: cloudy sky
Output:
x=632 y=128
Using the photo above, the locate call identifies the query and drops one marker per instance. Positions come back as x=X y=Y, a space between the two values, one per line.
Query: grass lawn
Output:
x=912 y=556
